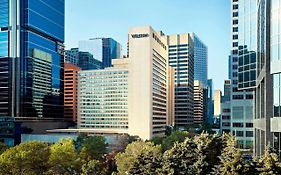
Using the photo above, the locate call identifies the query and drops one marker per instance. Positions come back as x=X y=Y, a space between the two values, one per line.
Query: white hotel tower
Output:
x=132 y=96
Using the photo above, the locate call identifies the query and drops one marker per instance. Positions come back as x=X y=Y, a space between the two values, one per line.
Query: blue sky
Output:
x=209 y=19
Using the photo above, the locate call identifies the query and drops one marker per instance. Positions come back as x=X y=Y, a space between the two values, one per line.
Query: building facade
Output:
x=198 y=102
x=200 y=60
x=210 y=101
x=103 y=99
x=31 y=58
x=70 y=91
x=71 y=56
x=181 y=58
x=102 y=49
x=134 y=95
x=242 y=64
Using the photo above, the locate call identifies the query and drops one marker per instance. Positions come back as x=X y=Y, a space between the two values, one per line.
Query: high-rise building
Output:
x=103 y=98
x=200 y=60
x=31 y=58
x=70 y=91
x=71 y=56
x=217 y=103
x=171 y=97
x=225 y=119
x=226 y=91
x=102 y=49
x=242 y=73
x=198 y=102
x=132 y=96
x=86 y=61
x=267 y=93
x=210 y=101
x=181 y=57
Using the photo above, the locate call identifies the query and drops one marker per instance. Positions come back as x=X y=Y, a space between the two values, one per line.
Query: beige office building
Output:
x=134 y=95
x=181 y=58
x=217 y=103
x=198 y=102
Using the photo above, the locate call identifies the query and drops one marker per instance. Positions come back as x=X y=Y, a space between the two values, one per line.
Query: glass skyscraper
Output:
x=242 y=70
x=31 y=58
x=200 y=60
x=102 y=49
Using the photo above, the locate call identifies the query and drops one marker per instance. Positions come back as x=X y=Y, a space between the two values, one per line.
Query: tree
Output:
x=148 y=162
x=208 y=148
x=231 y=162
x=3 y=147
x=126 y=160
x=268 y=163
x=63 y=158
x=27 y=158
x=93 y=167
x=176 y=136
x=93 y=147
x=180 y=158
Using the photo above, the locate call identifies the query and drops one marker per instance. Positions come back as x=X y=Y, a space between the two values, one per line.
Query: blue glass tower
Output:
x=200 y=60
x=31 y=58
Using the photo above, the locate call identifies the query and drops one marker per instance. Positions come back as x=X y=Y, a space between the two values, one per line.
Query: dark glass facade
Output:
x=111 y=49
x=31 y=58
x=247 y=44
x=86 y=61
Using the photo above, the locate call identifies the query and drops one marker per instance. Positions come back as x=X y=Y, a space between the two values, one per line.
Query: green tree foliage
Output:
x=231 y=162
x=147 y=163
x=208 y=148
x=27 y=158
x=93 y=167
x=268 y=163
x=180 y=158
x=3 y=147
x=63 y=159
x=93 y=147
x=176 y=136
x=126 y=160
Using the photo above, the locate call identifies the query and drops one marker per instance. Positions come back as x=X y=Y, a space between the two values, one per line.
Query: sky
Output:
x=208 y=19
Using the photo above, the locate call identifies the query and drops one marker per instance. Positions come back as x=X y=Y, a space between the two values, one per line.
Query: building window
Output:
x=235 y=44
x=237 y=97
x=249 y=125
x=225 y=117
x=238 y=133
x=235 y=14
x=235 y=29
x=249 y=134
x=235 y=21
x=249 y=96
x=235 y=6
x=237 y=125
x=235 y=37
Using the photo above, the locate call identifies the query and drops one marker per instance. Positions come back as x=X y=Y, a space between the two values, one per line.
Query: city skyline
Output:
x=212 y=28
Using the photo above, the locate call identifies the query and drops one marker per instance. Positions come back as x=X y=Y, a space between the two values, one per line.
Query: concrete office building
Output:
x=217 y=103
x=181 y=57
x=242 y=73
x=103 y=99
x=171 y=97
x=132 y=96
x=198 y=102
x=102 y=49
x=70 y=91
x=225 y=120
